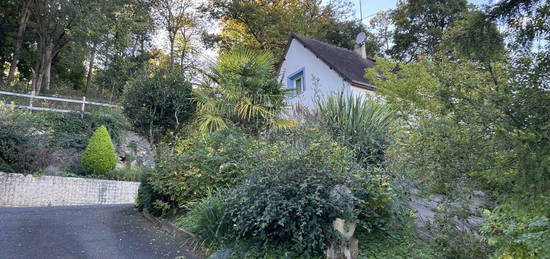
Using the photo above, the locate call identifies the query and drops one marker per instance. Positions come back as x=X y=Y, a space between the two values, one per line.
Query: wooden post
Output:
x=83 y=105
x=30 y=102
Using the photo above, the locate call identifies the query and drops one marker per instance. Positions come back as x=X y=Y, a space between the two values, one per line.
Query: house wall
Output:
x=320 y=80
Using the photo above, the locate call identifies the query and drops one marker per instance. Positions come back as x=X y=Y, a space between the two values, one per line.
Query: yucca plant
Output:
x=207 y=220
x=242 y=92
x=360 y=122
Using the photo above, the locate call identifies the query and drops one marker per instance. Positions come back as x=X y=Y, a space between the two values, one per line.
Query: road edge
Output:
x=181 y=235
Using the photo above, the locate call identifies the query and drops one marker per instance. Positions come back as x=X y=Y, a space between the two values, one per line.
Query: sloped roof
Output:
x=348 y=64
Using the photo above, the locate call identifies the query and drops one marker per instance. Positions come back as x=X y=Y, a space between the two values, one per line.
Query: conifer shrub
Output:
x=99 y=156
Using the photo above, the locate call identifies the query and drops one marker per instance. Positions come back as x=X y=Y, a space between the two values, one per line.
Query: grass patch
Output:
x=404 y=245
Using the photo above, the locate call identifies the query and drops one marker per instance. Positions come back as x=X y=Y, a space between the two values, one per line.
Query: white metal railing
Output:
x=32 y=96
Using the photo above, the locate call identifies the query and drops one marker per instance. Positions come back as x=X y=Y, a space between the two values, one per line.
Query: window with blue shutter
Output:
x=297 y=81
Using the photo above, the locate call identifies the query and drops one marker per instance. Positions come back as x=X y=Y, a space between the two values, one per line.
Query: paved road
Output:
x=115 y=231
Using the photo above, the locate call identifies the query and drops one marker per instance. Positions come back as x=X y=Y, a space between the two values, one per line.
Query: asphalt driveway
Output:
x=116 y=231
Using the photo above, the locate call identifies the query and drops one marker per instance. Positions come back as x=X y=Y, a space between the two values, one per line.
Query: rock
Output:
x=52 y=170
x=221 y=254
x=342 y=195
x=428 y=208
x=134 y=151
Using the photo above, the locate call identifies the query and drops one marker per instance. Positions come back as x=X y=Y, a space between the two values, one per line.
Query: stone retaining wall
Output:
x=17 y=190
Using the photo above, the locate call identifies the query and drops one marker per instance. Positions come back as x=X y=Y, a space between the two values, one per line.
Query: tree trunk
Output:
x=48 y=57
x=183 y=51
x=142 y=45
x=37 y=70
x=47 y=75
x=42 y=68
x=90 y=69
x=19 y=40
x=182 y=58
x=172 y=39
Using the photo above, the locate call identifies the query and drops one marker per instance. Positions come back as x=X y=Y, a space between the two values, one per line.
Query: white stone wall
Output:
x=17 y=190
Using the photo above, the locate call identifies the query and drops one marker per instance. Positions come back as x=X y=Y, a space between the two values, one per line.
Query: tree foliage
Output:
x=420 y=24
x=61 y=42
x=477 y=120
x=158 y=101
x=475 y=38
x=266 y=25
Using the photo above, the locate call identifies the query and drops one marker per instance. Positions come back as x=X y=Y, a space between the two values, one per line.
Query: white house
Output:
x=317 y=69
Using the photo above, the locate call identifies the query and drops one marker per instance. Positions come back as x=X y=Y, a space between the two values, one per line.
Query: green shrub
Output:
x=520 y=229
x=452 y=240
x=286 y=200
x=160 y=102
x=21 y=151
x=147 y=196
x=71 y=130
x=205 y=163
x=378 y=205
x=99 y=156
x=114 y=120
x=280 y=190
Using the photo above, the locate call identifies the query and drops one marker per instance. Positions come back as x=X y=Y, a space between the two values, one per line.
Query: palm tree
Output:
x=243 y=92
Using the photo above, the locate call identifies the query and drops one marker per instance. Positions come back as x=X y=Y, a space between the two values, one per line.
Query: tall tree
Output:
x=174 y=16
x=380 y=27
x=122 y=38
x=23 y=19
x=529 y=34
x=267 y=24
x=420 y=24
x=54 y=20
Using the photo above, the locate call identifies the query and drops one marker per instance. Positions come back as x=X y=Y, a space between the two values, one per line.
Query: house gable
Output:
x=320 y=78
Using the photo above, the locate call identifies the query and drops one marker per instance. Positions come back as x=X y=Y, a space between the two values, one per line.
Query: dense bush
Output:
x=30 y=141
x=289 y=199
x=452 y=240
x=99 y=156
x=471 y=127
x=147 y=197
x=202 y=164
x=21 y=150
x=286 y=200
x=157 y=102
x=520 y=229
x=72 y=130
x=288 y=205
